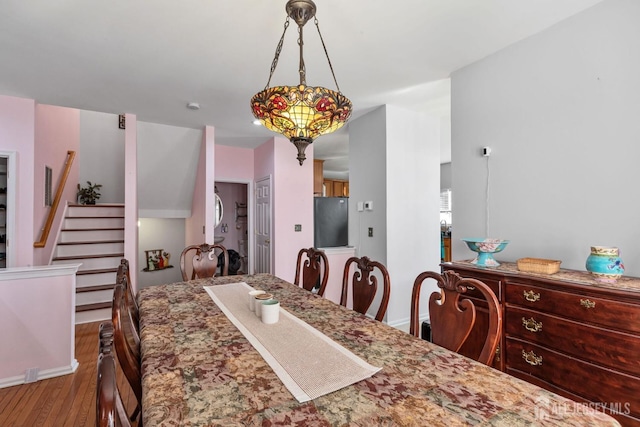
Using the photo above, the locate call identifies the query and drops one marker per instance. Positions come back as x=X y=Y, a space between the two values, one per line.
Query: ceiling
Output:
x=152 y=57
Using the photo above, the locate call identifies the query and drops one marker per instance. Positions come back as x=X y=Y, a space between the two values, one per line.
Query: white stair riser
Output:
x=92 y=263
x=75 y=211
x=84 y=223
x=84 y=280
x=93 y=315
x=89 y=249
x=67 y=236
x=83 y=298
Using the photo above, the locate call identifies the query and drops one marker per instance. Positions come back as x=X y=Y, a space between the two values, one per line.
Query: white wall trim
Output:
x=38 y=271
x=42 y=375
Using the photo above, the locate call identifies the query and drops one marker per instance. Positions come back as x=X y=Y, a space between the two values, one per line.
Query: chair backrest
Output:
x=203 y=261
x=365 y=284
x=127 y=344
x=130 y=298
x=452 y=316
x=315 y=262
x=110 y=411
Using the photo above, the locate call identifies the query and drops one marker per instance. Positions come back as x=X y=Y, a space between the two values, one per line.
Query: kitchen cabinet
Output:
x=446 y=248
x=336 y=188
x=570 y=334
x=318 y=180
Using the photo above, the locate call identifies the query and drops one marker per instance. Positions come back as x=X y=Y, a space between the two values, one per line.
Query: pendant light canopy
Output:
x=301 y=113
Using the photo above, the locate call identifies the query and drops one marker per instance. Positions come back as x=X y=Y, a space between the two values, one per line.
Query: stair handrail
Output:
x=56 y=201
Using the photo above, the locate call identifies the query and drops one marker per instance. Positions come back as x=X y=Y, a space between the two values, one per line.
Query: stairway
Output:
x=94 y=236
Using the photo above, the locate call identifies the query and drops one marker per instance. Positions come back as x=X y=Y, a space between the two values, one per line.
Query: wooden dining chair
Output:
x=130 y=298
x=127 y=345
x=364 y=285
x=310 y=265
x=452 y=316
x=110 y=410
x=203 y=261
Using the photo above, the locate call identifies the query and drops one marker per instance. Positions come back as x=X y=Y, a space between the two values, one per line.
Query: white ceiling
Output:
x=152 y=57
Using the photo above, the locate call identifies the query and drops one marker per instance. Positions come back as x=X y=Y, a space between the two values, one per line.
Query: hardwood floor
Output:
x=69 y=400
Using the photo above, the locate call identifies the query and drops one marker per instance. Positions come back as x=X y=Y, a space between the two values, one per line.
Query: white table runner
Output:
x=307 y=362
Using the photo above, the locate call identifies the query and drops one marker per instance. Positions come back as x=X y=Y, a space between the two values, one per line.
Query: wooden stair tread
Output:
x=68 y=258
x=91 y=242
x=94 y=306
x=92 y=229
x=97 y=271
x=94 y=217
x=99 y=205
x=94 y=288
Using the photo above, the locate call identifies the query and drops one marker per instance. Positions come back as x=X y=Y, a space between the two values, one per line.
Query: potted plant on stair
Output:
x=89 y=194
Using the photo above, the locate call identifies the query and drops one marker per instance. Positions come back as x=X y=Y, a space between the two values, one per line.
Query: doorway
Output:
x=7 y=207
x=233 y=231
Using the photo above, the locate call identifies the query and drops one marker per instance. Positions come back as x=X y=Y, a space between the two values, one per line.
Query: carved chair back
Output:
x=203 y=261
x=309 y=267
x=127 y=345
x=110 y=411
x=364 y=285
x=452 y=316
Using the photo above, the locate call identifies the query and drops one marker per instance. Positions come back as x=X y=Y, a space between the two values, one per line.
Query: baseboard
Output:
x=42 y=375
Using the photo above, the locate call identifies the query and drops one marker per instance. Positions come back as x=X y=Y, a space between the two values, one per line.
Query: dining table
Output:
x=200 y=369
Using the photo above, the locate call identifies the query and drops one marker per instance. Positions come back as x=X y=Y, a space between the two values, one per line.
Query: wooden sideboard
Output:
x=568 y=333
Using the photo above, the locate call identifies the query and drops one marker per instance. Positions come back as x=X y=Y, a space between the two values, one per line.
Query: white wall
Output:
x=167 y=165
x=560 y=111
x=160 y=233
x=394 y=161
x=101 y=155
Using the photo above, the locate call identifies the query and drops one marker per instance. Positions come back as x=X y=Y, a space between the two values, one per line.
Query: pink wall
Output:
x=234 y=163
x=201 y=204
x=17 y=128
x=131 y=196
x=57 y=130
x=31 y=338
x=292 y=186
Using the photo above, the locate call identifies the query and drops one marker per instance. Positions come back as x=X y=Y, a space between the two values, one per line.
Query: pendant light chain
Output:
x=274 y=64
x=315 y=21
x=302 y=70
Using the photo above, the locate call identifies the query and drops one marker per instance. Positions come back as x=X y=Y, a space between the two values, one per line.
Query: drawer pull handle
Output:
x=531 y=296
x=471 y=288
x=587 y=303
x=531 y=325
x=531 y=358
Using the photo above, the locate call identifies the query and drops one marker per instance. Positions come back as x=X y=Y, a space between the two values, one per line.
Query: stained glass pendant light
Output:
x=301 y=113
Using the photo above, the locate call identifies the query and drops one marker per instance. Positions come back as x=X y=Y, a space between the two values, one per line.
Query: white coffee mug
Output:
x=252 y=299
x=258 y=301
x=270 y=311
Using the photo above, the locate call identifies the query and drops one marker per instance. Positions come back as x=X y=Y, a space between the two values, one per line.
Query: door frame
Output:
x=10 y=209
x=250 y=215
x=268 y=178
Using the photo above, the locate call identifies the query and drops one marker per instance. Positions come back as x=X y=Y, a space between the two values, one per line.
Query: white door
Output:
x=263 y=225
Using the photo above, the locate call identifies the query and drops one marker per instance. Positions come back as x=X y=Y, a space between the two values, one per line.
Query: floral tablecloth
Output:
x=199 y=370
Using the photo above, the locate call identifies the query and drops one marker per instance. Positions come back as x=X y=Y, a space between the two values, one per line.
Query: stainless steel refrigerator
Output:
x=331 y=221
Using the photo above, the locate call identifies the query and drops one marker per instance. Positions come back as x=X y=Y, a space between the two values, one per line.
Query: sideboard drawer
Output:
x=597 y=384
x=601 y=346
x=585 y=308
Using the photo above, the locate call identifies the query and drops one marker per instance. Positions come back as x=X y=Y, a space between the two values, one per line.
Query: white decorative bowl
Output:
x=485 y=249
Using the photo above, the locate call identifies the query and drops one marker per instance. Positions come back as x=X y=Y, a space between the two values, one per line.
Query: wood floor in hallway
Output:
x=68 y=400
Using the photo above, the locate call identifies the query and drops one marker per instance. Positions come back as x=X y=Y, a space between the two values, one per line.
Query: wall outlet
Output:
x=486 y=151
x=298 y=227
x=31 y=375
x=368 y=205
x=370 y=234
